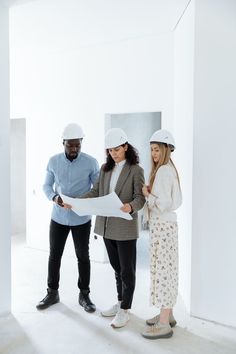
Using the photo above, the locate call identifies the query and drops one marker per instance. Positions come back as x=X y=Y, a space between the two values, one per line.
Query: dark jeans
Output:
x=122 y=256
x=57 y=237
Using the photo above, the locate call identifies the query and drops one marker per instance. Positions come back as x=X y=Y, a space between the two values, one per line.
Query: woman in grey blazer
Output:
x=122 y=174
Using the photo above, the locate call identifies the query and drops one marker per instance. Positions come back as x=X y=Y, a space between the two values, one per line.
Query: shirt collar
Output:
x=74 y=160
x=121 y=163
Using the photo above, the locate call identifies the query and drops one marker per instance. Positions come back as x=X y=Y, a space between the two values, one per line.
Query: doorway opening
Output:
x=139 y=127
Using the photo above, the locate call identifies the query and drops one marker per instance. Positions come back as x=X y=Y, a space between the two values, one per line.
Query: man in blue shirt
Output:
x=70 y=173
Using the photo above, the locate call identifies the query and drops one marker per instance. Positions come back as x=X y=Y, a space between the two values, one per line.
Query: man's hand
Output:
x=67 y=206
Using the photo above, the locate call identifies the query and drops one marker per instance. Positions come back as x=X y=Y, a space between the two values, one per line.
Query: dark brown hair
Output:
x=131 y=156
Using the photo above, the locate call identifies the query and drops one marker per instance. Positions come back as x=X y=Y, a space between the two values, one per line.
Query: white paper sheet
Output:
x=109 y=205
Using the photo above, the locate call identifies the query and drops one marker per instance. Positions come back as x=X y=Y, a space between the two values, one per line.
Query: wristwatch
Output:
x=54 y=199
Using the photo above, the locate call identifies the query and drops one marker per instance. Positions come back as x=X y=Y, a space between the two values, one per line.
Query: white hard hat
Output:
x=115 y=137
x=72 y=131
x=163 y=136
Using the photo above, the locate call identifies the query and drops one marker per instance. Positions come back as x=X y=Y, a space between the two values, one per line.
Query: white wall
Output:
x=5 y=246
x=53 y=85
x=214 y=170
x=18 y=176
x=183 y=131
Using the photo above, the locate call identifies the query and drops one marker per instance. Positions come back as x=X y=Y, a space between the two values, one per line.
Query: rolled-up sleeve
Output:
x=48 y=186
x=94 y=191
x=95 y=173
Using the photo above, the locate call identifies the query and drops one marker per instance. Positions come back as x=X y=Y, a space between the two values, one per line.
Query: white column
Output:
x=214 y=168
x=183 y=132
x=5 y=238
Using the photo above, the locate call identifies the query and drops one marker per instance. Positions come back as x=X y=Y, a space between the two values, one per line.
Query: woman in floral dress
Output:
x=163 y=197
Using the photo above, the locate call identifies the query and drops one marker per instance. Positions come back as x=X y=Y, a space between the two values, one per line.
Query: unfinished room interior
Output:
x=139 y=65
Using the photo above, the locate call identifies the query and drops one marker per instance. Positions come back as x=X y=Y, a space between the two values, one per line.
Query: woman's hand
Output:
x=146 y=190
x=126 y=208
x=67 y=206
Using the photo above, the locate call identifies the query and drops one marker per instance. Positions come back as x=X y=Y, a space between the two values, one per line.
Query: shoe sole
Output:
x=112 y=325
x=172 y=324
x=110 y=315
x=167 y=335
x=87 y=310
x=44 y=307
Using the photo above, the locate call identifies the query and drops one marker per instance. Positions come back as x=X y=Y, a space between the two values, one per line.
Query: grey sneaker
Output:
x=111 y=311
x=158 y=331
x=154 y=320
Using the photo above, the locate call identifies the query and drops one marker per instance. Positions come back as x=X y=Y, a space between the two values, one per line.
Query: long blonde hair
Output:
x=164 y=159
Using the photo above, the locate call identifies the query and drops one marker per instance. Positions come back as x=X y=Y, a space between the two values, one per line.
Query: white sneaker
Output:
x=122 y=317
x=111 y=311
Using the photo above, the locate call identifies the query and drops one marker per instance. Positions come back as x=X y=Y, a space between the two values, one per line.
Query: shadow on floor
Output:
x=128 y=339
x=13 y=339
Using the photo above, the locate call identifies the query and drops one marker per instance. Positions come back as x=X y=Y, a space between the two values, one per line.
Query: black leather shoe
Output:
x=51 y=298
x=86 y=303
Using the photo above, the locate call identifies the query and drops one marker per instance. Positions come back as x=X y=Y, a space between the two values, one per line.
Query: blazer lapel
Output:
x=122 y=178
x=107 y=179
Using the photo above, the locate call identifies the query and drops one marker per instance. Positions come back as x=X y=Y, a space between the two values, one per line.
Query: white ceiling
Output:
x=74 y=23
x=157 y=13
x=14 y=2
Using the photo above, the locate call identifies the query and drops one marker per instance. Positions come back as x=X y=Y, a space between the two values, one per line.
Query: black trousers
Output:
x=122 y=256
x=57 y=237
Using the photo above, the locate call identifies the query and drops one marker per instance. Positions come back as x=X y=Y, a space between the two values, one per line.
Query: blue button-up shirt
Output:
x=72 y=178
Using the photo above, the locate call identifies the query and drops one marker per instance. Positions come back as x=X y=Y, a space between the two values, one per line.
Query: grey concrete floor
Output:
x=66 y=328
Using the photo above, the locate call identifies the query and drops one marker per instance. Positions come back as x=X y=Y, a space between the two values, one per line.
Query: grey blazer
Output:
x=129 y=190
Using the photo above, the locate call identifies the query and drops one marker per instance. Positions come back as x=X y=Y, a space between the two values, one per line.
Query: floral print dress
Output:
x=163 y=263
x=162 y=202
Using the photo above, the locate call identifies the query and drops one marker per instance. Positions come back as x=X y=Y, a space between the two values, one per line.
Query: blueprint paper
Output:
x=109 y=205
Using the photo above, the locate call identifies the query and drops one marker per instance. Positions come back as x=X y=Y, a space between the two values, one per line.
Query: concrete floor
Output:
x=66 y=328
